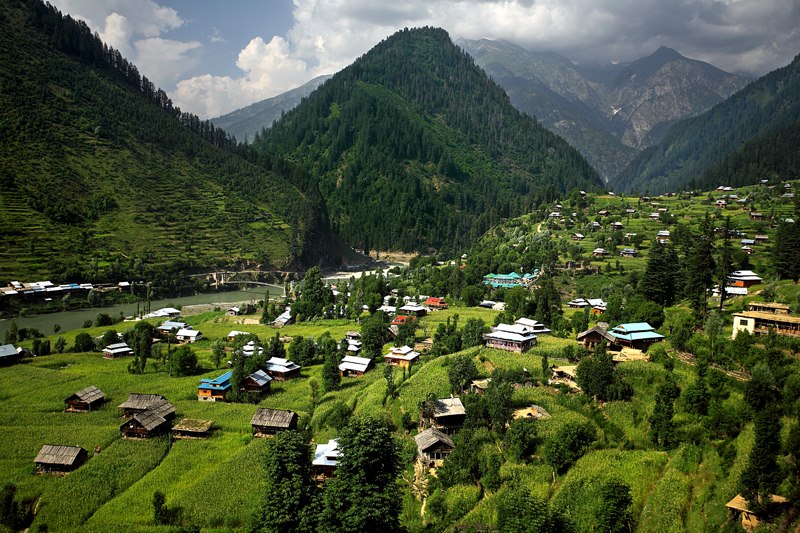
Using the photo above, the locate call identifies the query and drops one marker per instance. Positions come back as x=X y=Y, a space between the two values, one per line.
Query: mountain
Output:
x=413 y=146
x=246 y=122
x=749 y=136
x=609 y=112
x=103 y=178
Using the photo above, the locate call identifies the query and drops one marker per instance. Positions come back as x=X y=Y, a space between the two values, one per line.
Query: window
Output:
x=743 y=322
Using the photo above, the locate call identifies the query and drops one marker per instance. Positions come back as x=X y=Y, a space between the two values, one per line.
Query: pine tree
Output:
x=700 y=269
x=724 y=261
x=662 y=431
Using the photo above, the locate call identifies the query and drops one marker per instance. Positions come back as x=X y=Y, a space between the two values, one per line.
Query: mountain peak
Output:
x=665 y=54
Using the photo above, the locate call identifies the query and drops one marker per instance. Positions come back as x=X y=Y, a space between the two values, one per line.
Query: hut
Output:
x=479 y=386
x=268 y=422
x=738 y=505
x=326 y=459
x=85 y=400
x=591 y=338
x=564 y=375
x=191 y=428
x=433 y=447
x=9 y=354
x=54 y=458
x=144 y=425
x=447 y=415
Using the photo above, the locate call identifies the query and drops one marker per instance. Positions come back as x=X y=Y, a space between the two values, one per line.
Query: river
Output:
x=75 y=319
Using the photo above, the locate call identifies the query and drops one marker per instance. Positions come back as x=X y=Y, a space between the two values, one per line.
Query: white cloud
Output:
x=135 y=29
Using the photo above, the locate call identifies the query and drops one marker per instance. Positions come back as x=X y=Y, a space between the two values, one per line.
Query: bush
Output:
x=83 y=343
x=568 y=444
x=184 y=361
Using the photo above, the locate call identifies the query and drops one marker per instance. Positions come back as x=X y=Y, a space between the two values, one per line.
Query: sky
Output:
x=213 y=57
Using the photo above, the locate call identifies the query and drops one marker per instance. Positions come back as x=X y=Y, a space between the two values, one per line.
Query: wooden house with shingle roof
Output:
x=268 y=422
x=749 y=519
x=447 y=415
x=144 y=425
x=433 y=447
x=54 y=458
x=85 y=400
x=138 y=403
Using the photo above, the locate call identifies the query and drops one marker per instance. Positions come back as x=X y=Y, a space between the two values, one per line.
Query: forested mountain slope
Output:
x=608 y=112
x=102 y=178
x=749 y=134
x=413 y=146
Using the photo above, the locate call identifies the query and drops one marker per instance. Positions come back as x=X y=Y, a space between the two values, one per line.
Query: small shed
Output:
x=433 y=447
x=268 y=422
x=54 y=458
x=85 y=400
x=145 y=425
x=192 y=428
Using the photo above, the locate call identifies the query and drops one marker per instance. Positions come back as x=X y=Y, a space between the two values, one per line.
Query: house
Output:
x=770 y=307
x=748 y=242
x=85 y=400
x=9 y=354
x=761 y=239
x=591 y=338
x=352 y=366
x=403 y=356
x=564 y=375
x=352 y=336
x=53 y=458
x=595 y=225
x=654 y=216
x=603 y=213
x=119 y=349
x=281 y=369
x=577 y=236
x=284 y=319
x=637 y=335
x=170 y=326
x=192 y=428
x=251 y=348
x=400 y=319
x=749 y=520
x=447 y=415
x=139 y=403
x=748 y=250
x=215 y=390
x=580 y=303
x=353 y=346
x=326 y=458
x=510 y=337
x=164 y=312
x=555 y=214
x=630 y=211
x=233 y=334
x=268 y=422
x=617 y=225
x=433 y=447
x=599 y=252
x=232 y=311
x=415 y=309
x=435 y=303
x=628 y=252
x=257 y=383
x=145 y=425
x=744 y=278
x=721 y=204
x=663 y=235
x=755 y=215
x=536 y=327
x=760 y=323
x=188 y=335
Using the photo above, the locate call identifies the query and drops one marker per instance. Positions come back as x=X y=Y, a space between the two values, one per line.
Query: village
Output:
x=411 y=388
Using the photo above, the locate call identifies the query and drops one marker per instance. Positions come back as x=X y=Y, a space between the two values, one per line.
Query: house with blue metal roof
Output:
x=214 y=390
x=637 y=335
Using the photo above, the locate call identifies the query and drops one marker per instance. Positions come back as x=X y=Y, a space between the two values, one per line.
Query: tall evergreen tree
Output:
x=659 y=279
x=662 y=430
x=364 y=495
x=700 y=269
x=725 y=265
x=786 y=252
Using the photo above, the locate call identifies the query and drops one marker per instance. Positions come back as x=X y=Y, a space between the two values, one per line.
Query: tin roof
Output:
x=448 y=407
x=58 y=455
x=260 y=378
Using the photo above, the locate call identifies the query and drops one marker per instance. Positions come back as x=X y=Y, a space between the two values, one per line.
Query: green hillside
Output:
x=730 y=136
x=103 y=178
x=413 y=146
